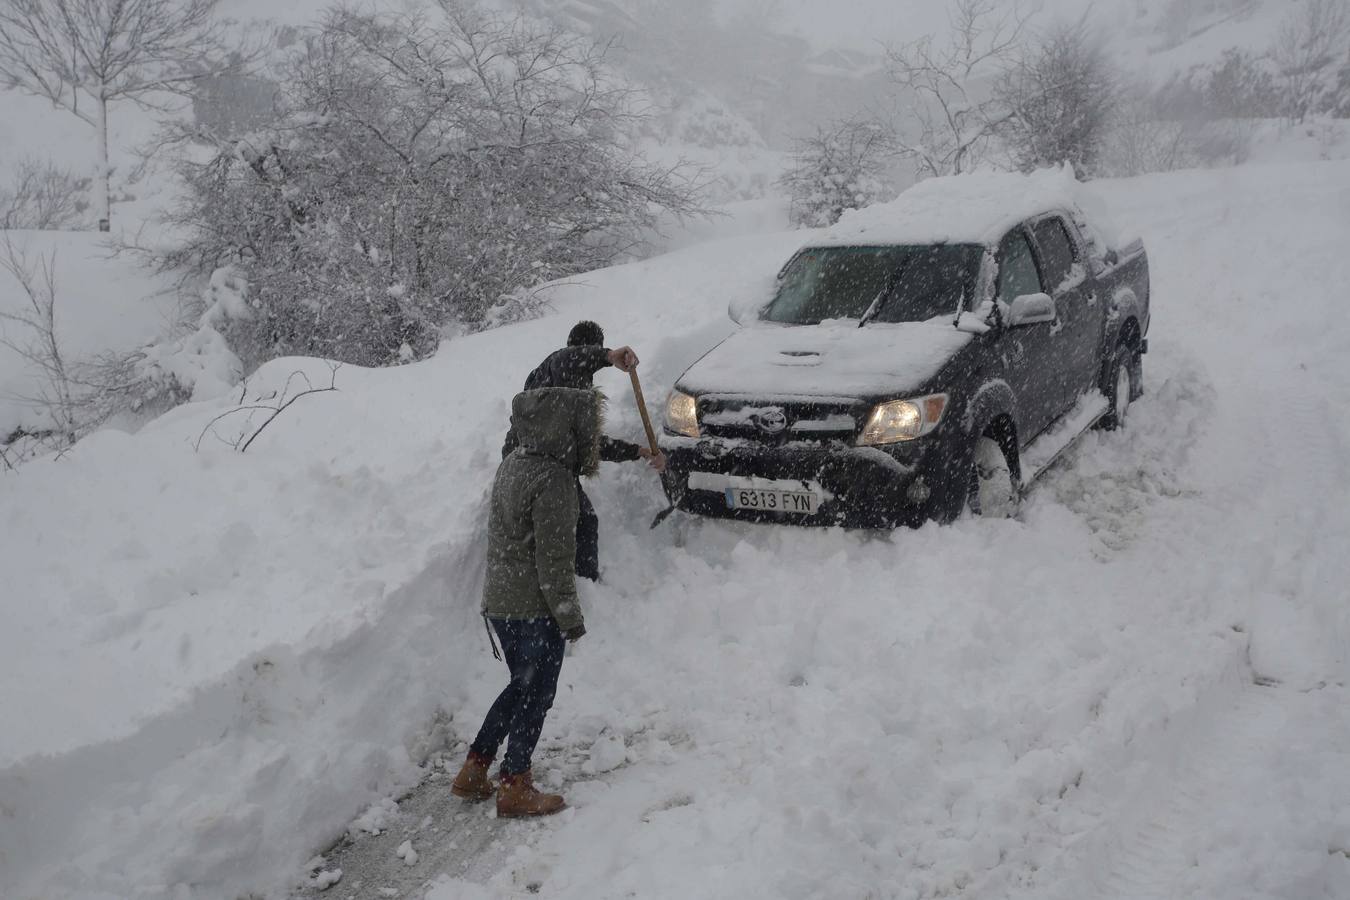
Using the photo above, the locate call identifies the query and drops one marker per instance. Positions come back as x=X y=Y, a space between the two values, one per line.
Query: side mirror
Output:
x=1031 y=309
x=745 y=309
x=1111 y=257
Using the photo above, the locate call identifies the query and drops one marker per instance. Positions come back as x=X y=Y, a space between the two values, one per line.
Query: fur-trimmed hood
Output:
x=560 y=423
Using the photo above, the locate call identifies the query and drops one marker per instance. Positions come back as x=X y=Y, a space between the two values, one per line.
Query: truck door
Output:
x=1077 y=333
x=1025 y=353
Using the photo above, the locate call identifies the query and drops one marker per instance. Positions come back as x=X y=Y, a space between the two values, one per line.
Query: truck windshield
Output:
x=911 y=283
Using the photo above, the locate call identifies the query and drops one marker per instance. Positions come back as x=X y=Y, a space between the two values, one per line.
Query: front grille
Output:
x=771 y=420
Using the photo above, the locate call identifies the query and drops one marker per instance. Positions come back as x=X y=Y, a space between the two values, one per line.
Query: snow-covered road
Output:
x=1137 y=689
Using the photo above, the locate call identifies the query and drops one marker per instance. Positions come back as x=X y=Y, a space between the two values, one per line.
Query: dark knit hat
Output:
x=586 y=334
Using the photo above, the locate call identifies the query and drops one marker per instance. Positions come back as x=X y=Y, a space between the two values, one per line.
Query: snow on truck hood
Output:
x=834 y=359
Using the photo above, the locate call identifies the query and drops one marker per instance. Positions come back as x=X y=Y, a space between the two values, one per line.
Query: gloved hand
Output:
x=574 y=634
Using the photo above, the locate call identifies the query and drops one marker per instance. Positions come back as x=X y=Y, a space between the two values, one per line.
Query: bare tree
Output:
x=84 y=55
x=951 y=85
x=842 y=166
x=1309 y=44
x=30 y=332
x=1060 y=97
x=43 y=196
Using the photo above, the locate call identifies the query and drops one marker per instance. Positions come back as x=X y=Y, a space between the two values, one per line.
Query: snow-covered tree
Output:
x=842 y=166
x=1338 y=103
x=1242 y=86
x=949 y=85
x=1308 y=48
x=42 y=195
x=1059 y=98
x=425 y=167
x=85 y=55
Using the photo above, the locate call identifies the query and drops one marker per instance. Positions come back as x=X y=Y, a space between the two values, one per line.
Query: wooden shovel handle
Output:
x=642 y=410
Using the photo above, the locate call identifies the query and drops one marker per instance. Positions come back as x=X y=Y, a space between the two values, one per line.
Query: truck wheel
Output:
x=993 y=493
x=1120 y=388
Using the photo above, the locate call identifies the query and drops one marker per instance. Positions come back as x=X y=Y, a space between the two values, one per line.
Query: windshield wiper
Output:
x=881 y=297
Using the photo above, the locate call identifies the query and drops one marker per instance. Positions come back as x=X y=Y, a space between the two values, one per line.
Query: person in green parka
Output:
x=530 y=593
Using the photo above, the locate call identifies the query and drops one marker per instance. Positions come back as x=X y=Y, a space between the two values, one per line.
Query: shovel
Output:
x=651 y=437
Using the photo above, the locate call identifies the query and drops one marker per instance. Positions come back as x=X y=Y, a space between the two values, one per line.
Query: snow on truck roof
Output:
x=976 y=208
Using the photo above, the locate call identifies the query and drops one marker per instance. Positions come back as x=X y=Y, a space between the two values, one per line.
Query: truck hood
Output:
x=827 y=360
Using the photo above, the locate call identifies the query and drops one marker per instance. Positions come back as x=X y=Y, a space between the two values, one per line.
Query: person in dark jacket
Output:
x=574 y=366
x=530 y=593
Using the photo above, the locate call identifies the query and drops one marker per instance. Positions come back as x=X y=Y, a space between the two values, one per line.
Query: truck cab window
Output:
x=1017 y=273
x=1057 y=253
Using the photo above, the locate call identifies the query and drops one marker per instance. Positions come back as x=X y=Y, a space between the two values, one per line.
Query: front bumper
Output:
x=859 y=487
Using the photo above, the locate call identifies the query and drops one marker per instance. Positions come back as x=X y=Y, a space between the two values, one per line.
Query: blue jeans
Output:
x=534 y=653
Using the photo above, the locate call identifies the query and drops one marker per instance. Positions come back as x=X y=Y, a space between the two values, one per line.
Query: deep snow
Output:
x=220 y=660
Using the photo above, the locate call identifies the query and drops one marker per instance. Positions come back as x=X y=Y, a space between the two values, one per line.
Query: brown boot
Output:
x=518 y=798
x=472 y=782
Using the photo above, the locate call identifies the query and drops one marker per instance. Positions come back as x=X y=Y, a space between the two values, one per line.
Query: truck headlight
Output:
x=681 y=414
x=902 y=420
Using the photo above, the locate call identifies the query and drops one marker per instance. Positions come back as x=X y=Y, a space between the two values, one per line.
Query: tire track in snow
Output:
x=1153 y=849
x=1217 y=759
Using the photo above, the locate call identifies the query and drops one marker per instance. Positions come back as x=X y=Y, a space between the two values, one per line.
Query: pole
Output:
x=642 y=410
x=651 y=438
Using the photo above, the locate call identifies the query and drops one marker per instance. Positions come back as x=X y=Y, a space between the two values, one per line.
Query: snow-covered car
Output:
x=921 y=358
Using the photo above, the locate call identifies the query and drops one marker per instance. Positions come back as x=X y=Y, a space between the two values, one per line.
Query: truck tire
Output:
x=1120 y=388
x=993 y=491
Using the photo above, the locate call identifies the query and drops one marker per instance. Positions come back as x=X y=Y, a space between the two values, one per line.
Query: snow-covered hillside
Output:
x=212 y=662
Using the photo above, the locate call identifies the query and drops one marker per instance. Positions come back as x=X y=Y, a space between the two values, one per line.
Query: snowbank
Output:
x=175 y=607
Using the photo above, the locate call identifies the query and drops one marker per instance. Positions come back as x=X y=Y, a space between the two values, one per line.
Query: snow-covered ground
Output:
x=212 y=662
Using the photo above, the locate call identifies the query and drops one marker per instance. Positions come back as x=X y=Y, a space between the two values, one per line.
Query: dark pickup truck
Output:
x=892 y=379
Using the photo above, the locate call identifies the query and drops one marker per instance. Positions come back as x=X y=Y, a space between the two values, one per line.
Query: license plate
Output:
x=767 y=500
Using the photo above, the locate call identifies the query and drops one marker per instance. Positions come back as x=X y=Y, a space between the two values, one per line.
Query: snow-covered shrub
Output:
x=842 y=166
x=198 y=365
x=1059 y=97
x=702 y=120
x=1338 y=101
x=44 y=196
x=1238 y=85
x=1142 y=139
x=1242 y=86
x=423 y=166
x=722 y=149
x=1308 y=50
